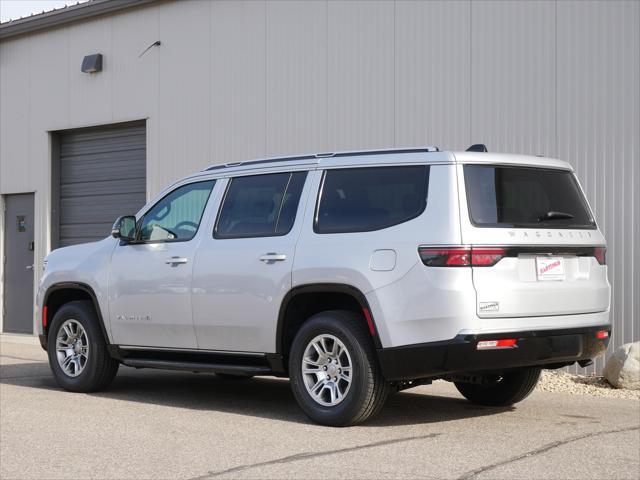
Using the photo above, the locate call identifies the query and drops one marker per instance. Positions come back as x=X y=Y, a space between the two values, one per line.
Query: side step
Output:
x=197 y=366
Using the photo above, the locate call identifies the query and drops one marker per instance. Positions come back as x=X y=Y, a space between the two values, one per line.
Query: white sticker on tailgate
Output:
x=550 y=268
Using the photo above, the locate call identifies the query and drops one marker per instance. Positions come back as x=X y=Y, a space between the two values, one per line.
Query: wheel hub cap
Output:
x=72 y=348
x=327 y=370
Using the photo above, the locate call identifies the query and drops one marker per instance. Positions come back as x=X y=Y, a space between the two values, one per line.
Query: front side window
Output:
x=177 y=216
x=525 y=197
x=371 y=198
x=260 y=205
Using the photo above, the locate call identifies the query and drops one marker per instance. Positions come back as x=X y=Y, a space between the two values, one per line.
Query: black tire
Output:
x=100 y=369
x=509 y=388
x=233 y=376
x=368 y=389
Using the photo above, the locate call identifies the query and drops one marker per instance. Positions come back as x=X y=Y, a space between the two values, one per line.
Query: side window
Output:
x=177 y=216
x=260 y=205
x=371 y=198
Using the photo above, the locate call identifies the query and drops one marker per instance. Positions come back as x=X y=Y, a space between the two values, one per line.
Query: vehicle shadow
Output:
x=265 y=397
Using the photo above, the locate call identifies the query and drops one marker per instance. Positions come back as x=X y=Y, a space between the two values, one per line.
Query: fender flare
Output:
x=325 y=288
x=84 y=288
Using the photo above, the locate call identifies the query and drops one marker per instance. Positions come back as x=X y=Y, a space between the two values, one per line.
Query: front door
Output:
x=243 y=271
x=150 y=279
x=18 y=267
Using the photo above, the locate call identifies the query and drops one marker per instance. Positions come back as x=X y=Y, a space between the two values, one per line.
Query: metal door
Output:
x=18 y=267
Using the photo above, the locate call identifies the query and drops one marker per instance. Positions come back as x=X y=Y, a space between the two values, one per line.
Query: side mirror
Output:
x=124 y=228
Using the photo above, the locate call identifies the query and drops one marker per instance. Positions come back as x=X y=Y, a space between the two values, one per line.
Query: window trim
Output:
x=361 y=167
x=230 y=180
x=137 y=241
x=540 y=226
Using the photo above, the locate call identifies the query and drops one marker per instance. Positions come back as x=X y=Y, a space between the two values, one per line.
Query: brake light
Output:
x=496 y=344
x=602 y=334
x=44 y=316
x=460 y=256
x=601 y=255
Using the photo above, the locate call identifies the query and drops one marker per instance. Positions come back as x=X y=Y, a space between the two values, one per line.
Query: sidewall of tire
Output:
x=347 y=411
x=89 y=380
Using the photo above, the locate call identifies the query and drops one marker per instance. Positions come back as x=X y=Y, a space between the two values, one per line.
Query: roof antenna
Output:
x=156 y=43
x=478 y=147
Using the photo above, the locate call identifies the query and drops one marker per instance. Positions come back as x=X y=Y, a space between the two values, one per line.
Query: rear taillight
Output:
x=460 y=256
x=601 y=255
x=602 y=334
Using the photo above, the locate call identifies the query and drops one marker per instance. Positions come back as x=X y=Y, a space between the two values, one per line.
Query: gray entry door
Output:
x=102 y=174
x=18 y=268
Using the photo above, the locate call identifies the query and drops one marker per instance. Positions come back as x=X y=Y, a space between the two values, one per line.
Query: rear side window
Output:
x=371 y=198
x=525 y=197
x=260 y=205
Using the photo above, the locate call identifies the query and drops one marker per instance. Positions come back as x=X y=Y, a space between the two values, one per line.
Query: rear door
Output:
x=243 y=268
x=536 y=248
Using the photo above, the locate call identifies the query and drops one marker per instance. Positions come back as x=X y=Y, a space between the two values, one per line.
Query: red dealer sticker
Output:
x=550 y=268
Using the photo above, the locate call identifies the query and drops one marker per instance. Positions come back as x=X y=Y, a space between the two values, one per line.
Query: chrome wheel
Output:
x=72 y=348
x=327 y=370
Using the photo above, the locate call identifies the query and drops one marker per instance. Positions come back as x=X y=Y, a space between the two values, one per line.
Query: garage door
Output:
x=102 y=174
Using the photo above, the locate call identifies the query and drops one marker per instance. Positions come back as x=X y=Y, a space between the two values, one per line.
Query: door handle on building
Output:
x=176 y=260
x=273 y=257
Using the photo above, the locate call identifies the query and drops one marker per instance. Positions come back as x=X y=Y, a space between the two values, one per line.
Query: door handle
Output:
x=273 y=257
x=29 y=267
x=175 y=260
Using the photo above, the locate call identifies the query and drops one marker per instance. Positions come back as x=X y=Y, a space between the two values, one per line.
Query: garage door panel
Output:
x=102 y=176
x=104 y=166
x=97 y=208
x=109 y=187
x=88 y=230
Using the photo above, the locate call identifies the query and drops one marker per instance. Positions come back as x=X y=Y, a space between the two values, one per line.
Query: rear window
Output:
x=371 y=198
x=260 y=205
x=525 y=197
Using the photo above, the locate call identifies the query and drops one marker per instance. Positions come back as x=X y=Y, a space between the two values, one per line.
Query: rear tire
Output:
x=509 y=388
x=77 y=349
x=343 y=366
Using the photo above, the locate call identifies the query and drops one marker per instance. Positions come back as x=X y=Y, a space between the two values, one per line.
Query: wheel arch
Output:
x=323 y=296
x=62 y=293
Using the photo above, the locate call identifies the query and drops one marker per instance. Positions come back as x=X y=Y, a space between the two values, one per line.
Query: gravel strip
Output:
x=597 y=386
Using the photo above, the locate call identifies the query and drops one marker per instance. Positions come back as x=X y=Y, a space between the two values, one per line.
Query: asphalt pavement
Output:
x=157 y=425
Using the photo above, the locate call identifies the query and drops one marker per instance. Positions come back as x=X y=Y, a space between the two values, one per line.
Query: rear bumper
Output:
x=460 y=355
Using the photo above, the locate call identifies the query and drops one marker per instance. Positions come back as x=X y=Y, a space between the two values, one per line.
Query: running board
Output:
x=198 y=366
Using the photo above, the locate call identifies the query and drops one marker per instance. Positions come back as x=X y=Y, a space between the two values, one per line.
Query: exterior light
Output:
x=92 y=63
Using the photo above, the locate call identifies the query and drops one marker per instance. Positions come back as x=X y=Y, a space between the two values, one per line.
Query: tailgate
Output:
x=541 y=281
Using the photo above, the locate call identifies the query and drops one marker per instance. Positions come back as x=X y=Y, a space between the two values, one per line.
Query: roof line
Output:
x=62 y=16
x=322 y=155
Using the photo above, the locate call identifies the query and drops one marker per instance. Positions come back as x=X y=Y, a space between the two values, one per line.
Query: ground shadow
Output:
x=265 y=397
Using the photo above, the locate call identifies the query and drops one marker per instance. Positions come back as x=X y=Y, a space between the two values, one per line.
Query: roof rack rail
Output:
x=429 y=148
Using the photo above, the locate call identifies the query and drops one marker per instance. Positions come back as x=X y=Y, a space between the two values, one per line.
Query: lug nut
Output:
x=325 y=368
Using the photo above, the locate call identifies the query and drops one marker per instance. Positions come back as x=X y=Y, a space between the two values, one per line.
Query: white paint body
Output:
x=225 y=298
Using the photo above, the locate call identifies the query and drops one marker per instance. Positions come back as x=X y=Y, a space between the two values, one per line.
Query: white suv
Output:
x=353 y=274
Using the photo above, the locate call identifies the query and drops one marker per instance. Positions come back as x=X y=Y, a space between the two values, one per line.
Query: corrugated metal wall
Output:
x=235 y=80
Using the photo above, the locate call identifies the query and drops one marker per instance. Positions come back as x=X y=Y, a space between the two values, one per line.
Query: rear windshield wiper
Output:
x=551 y=215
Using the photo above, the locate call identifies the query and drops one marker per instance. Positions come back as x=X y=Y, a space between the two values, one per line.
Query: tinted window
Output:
x=525 y=197
x=177 y=216
x=260 y=205
x=372 y=198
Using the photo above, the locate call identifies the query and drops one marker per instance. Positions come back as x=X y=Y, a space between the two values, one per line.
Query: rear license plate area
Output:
x=550 y=269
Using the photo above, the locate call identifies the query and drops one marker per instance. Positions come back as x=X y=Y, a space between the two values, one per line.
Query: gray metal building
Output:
x=234 y=80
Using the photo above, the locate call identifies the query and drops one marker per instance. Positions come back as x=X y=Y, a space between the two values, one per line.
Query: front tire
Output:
x=333 y=370
x=501 y=390
x=77 y=349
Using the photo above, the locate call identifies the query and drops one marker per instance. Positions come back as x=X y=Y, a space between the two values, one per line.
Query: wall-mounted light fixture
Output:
x=92 y=63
